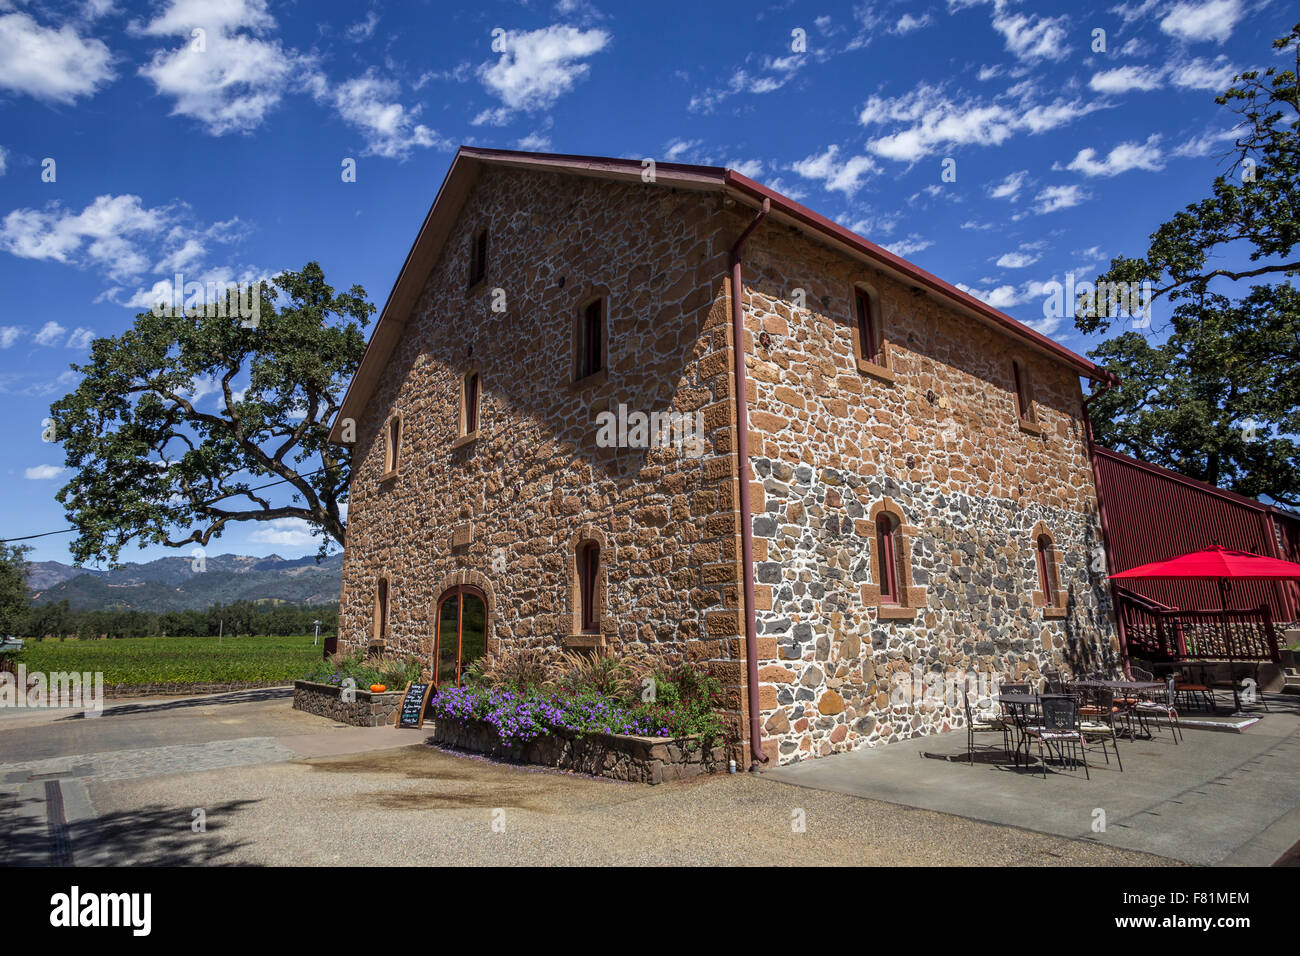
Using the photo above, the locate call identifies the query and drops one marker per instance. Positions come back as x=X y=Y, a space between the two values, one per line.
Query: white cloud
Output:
x=1010 y=187
x=1125 y=78
x=51 y=334
x=835 y=175
x=537 y=67
x=234 y=78
x=43 y=472
x=363 y=29
x=909 y=246
x=80 y=338
x=369 y=102
x=753 y=168
x=1195 y=22
x=287 y=532
x=930 y=119
x=907 y=23
x=1031 y=37
x=1207 y=144
x=52 y=65
x=534 y=142
x=1194 y=74
x=1121 y=159
x=104 y=233
x=4 y=159
x=1017 y=260
x=1002 y=297
x=9 y=334
x=1200 y=74
x=1058 y=197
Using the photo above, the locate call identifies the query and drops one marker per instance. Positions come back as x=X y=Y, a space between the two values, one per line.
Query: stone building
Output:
x=548 y=451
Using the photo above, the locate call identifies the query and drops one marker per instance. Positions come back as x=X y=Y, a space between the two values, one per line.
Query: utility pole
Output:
x=221 y=627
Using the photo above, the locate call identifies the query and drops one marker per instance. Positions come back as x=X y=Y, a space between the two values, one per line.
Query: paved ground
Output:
x=1216 y=798
x=242 y=778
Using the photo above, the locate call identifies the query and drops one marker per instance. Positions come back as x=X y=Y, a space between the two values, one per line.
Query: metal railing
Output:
x=1155 y=631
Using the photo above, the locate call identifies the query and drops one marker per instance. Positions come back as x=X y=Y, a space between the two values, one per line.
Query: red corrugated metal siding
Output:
x=1154 y=514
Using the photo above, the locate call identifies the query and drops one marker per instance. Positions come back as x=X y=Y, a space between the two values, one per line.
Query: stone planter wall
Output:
x=367 y=710
x=641 y=759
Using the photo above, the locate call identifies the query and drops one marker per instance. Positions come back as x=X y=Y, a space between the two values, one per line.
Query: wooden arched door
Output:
x=461 y=633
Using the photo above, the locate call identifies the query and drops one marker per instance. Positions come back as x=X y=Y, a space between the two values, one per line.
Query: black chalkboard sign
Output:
x=414 y=699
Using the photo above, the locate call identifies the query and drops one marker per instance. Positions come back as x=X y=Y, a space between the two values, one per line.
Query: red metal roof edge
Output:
x=1161 y=472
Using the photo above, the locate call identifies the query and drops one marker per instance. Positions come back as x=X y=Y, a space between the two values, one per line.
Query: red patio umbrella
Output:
x=1216 y=563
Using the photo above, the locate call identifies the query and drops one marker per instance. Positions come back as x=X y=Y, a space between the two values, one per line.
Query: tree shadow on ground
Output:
x=154 y=835
x=234 y=697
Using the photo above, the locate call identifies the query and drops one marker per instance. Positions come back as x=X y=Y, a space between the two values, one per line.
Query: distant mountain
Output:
x=172 y=584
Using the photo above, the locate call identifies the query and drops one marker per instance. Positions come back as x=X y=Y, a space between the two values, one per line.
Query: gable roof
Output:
x=470 y=161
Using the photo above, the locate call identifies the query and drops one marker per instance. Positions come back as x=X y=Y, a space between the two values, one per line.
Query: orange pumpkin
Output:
x=378 y=688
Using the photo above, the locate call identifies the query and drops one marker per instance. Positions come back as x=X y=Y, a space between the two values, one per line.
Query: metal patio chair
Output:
x=1159 y=705
x=1059 y=727
x=977 y=724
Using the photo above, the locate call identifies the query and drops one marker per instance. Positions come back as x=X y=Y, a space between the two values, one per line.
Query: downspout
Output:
x=1106 y=386
x=742 y=457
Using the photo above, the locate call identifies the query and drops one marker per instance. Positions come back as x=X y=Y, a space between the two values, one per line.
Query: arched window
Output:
x=1045 y=569
x=589 y=587
x=461 y=634
x=887 y=548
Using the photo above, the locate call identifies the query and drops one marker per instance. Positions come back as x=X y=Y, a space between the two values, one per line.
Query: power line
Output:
x=270 y=484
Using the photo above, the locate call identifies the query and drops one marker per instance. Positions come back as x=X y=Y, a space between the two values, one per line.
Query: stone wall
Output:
x=367 y=710
x=640 y=759
x=506 y=510
x=933 y=435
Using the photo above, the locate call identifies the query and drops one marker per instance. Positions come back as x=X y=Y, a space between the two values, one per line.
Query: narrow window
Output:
x=868 y=341
x=471 y=403
x=1024 y=405
x=1045 y=582
x=588 y=576
x=591 y=339
x=887 y=548
x=394 y=436
x=478 y=258
x=381 y=611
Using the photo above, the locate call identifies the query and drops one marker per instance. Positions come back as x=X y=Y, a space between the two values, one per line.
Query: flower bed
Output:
x=639 y=759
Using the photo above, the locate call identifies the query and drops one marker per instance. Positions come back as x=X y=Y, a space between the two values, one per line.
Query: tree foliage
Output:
x=13 y=588
x=1218 y=399
x=151 y=465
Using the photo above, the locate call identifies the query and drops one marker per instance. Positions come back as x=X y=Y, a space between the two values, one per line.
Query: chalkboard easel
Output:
x=414 y=699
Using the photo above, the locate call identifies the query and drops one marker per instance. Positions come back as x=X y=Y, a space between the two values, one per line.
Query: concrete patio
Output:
x=1218 y=798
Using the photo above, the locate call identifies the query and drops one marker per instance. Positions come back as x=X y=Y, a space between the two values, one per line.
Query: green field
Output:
x=184 y=660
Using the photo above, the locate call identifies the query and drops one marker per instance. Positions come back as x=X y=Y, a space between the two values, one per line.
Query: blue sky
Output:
x=218 y=153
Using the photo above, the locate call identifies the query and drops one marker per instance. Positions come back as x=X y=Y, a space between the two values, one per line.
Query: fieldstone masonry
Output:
x=932 y=434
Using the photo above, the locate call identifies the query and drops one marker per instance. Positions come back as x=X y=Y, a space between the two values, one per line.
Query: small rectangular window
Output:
x=471 y=403
x=478 y=258
x=394 y=437
x=1045 y=570
x=868 y=333
x=588 y=575
x=381 y=611
x=592 y=359
x=1024 y=404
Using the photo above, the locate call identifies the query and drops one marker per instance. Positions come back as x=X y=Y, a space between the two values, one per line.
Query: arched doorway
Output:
x=461 y=633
